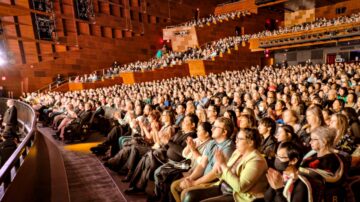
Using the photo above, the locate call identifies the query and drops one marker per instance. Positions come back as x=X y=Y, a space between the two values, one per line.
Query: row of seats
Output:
x=260 y=134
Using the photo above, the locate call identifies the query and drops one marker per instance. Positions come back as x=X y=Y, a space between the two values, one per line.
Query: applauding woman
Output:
x=285 y=182
x=237 y=179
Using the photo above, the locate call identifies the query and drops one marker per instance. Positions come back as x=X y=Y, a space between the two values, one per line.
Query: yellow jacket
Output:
x=250 y=181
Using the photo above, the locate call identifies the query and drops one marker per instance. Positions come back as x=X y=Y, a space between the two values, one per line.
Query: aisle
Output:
x=88 y=179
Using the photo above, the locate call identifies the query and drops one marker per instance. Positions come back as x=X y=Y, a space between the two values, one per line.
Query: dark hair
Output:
x=269 y=123
x=318 y=100
x=341 y=102
x=193 y=118
x=282 y=103
x=207 y=127
x=355 y=96
x=170 y=113
x=328 y=111
x=290 y=130
x=228 y=125
x=216 y=108
x=183 y=105
x=253 y=134
x=351 y=115
x=232 y=116
x=345 y=90
x=294 y=151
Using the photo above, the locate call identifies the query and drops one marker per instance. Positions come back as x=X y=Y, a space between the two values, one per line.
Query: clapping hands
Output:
x=274 y=178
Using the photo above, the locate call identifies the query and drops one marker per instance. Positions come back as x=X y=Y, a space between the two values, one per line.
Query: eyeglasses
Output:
x=281 y=157
x=240 y=138
x=214 y=127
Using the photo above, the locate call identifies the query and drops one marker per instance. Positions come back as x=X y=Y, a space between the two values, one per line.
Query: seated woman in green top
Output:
x=243 y=177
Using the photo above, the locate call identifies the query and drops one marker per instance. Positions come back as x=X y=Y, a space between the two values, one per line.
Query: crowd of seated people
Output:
x=214 y=19
x=275 y=133
x=318 y=23
x=208 y=50
x=169 y=58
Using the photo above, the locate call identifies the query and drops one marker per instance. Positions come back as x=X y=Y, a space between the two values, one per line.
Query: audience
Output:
x=285 y=177
x=267 y=102
x=211 y=49
x=288 y=133
x=238 y=181
x=214 y=19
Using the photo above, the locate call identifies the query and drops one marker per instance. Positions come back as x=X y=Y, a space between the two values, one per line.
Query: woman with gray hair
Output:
x=323 y=166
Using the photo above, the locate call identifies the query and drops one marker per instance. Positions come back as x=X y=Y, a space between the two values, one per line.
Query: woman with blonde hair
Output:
x=343 y=142
x=315 y=119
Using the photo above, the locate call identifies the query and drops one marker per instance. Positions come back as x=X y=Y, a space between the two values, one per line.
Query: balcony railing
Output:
x=313 y=35
x=27 y=122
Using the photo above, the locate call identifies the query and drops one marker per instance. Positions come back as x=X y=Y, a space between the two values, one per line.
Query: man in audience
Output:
x=236 y=83
x=153 y=159
x=10 y=118
x=203 y=174
x=267 y=127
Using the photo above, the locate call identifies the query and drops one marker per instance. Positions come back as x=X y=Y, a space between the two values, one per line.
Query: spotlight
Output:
x=3 y=58
x=2 y=61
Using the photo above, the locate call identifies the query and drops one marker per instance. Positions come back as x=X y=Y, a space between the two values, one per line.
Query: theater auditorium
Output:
x=180 y=100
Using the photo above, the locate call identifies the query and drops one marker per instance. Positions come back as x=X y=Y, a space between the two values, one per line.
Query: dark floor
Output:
x=88 y=179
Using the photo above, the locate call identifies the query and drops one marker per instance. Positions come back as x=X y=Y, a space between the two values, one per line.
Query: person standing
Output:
x=10 y=118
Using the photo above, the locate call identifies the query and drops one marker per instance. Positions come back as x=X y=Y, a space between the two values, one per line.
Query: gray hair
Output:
x=326 y=135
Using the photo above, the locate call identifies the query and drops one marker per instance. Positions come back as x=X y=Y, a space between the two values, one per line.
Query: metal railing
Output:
x=27 y=122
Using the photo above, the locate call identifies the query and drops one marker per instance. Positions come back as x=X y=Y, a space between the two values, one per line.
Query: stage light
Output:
x=3 y=57
x=2 y=61
x=3 y=78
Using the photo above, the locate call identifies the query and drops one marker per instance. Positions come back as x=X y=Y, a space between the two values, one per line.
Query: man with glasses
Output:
x=203 y=174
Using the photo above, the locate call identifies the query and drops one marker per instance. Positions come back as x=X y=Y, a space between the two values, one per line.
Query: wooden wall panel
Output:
x=118 y=34
x=115 y=10
x=69 y=26
x=10 y=30
x=95 y=29
x=68 y=9
x=60 y=48
x=31 y=52
x=45 y=48
x=104 y=7
x=83 y=47
x=83 y=28
x=241 y=5
x=27 y=31
x=23 y=3
x=107 y=32
x=13 y=46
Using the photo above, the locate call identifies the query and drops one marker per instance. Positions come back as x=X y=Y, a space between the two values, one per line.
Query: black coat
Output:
x=176 y=145
x=6 y=149
x=10 y=116
x=84 y=117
